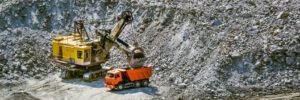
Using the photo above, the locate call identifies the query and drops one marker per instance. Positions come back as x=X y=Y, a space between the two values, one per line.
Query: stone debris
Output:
x=277 y=31
x=289 y=60
x=235 y=54
x=201 y=50
x=217 y=22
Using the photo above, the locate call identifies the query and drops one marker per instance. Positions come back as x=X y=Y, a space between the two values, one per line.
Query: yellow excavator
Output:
x=82 y=54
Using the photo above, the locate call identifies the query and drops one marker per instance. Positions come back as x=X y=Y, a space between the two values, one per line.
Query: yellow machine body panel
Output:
x=80 y=49
x=71 y=49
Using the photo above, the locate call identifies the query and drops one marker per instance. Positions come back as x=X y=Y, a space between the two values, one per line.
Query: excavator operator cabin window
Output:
x=79 y=54
x=117 y=76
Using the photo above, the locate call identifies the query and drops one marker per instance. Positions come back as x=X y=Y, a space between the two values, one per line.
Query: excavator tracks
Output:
x=91 y=74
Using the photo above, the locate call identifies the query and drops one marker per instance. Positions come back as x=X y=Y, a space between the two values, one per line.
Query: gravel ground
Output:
x=54 y=88
x=222 y=49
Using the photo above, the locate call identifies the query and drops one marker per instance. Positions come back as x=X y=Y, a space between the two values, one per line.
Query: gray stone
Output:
x=297 y=38
x=221 y=35
x=23 y=68
x=235 y=54
x=297 y=51
x=37 y=77
x=236 y=38
x=157 y=68
x=287 y=1
x=2 y=57
x=242 y=95
x=289 y=60
x=297 y=59
x=277 y=31
x=283 y=21
x=254 y=30
x=182 y=85
x=267 y=60
x=217 y=22
x=290 y=54
x=8 y=84
x=228 y=7
x=275 y=48
x=281 y=59
x=277 y=38
x=258 y=63
x=247 y=15
x=186 y=36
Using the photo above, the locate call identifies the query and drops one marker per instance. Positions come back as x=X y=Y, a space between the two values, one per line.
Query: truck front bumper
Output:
x=110 y=86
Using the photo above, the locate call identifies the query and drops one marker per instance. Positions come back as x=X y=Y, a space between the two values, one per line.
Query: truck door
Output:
x=118 y=77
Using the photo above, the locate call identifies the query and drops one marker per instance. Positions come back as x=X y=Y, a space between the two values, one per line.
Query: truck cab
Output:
x=126 y=78
x=114 y=77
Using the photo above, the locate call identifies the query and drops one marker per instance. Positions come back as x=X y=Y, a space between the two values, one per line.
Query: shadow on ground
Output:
x=95 y=84
x=148 y=90
x=100 y=84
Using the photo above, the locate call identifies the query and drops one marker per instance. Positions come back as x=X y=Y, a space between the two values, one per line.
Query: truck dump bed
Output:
x=140 y=73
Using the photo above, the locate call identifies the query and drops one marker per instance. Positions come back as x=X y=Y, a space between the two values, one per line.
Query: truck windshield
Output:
x=109 y=75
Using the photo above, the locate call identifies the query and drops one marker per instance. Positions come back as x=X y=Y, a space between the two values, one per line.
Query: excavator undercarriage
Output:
x=87 y=74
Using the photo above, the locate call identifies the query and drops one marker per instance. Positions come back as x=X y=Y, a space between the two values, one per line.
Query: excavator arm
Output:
x=124 y=19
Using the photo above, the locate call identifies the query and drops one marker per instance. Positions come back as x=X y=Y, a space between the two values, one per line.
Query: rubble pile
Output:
x=25 y=53
x=200 y=49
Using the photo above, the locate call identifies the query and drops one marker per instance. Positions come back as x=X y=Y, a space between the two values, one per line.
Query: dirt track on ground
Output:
x=54 y=88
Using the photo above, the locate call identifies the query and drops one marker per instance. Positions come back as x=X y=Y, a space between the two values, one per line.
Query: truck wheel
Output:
x=137 y=84
x=145 y=82
x=120 y=87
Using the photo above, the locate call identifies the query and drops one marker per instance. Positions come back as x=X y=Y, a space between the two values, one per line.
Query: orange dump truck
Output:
x=126 y=78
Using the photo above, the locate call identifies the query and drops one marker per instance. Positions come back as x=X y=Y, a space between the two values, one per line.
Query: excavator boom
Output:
x=124 y=19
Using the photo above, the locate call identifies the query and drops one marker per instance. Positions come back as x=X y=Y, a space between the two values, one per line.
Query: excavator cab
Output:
x=73 y=54
x=73 y=49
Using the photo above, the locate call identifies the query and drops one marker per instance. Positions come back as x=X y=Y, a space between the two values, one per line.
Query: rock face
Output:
x=201 y=49
x=26 y=53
